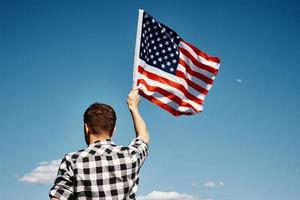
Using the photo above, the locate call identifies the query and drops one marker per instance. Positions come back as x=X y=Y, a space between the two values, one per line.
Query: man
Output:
x=103 y=170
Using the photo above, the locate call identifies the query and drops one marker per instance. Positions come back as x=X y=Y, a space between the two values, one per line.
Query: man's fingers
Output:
x=134 y=92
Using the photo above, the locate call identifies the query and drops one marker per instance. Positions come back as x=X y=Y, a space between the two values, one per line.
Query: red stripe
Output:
x=203 y=54
x=163 y=105
x=196 y=74
x=191 y=83
x=196 y=62
x=167 y=94
x=163 y=80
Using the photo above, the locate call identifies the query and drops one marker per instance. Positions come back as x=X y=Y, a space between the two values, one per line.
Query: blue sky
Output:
x=58 y=57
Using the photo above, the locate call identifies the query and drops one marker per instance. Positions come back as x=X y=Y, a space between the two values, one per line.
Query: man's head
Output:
x=99 y=120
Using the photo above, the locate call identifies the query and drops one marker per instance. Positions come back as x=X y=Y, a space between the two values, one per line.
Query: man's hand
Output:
x=140 y=127
x=133 y=100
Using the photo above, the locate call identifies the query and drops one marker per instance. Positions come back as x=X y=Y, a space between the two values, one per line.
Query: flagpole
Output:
x=137 y=48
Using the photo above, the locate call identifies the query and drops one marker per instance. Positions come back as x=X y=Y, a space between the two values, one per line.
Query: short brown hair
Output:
x=100 y=117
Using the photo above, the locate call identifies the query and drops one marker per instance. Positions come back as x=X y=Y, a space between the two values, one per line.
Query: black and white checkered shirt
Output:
x=103 y=170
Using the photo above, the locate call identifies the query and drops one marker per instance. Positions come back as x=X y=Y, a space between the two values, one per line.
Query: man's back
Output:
x=103 y=170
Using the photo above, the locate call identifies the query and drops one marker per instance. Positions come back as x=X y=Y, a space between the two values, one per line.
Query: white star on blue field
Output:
x=58 y=57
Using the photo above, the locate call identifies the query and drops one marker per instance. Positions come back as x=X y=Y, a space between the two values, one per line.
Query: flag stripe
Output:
x=170 y=89
x=161 y=79
x=173 y=78
x=167 y=101
x=196 y=62
x=192 y=78
x=195 y=68
x=163 y=105
x=194 y=73
x=201 y=53
x=167 y=94
x=191 y=83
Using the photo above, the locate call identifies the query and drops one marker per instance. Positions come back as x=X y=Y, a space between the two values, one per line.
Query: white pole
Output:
x=137 y=48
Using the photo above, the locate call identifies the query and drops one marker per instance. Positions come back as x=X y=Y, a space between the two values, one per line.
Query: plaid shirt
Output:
x=103 y=170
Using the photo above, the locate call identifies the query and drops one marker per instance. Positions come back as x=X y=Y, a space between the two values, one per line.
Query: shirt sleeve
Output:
x=63 y=187
x=139 y=150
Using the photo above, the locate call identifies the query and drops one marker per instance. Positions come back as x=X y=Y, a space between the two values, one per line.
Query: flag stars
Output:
x=158 y=46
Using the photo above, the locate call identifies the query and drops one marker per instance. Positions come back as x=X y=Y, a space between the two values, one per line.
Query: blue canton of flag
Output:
x=159 y=45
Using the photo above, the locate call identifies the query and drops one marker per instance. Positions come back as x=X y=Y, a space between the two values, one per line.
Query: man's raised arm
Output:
x=140 y=127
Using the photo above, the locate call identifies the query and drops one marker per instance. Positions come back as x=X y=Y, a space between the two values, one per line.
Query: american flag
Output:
x=170 y=72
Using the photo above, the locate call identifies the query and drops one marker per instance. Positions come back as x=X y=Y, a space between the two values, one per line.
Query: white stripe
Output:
x=170 y=89
x=199 y=58
x=167 y=101
x=194 y=78
x=171 y=77
x=204 y=72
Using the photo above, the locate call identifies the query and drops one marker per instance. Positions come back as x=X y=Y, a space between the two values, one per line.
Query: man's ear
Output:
x=115 y=128
x=86 y=128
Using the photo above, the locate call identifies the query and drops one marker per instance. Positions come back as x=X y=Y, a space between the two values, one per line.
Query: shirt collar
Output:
x=107 y=141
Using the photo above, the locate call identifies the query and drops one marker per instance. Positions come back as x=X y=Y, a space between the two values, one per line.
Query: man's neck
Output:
x=94 y=138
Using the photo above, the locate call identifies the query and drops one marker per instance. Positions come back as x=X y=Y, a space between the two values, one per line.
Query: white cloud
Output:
x=158 y=195
x=239 y=80
x=211 y=184
x=43 y=174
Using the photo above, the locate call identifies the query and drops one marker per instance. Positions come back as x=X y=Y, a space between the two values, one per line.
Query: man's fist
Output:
x=133 y=99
